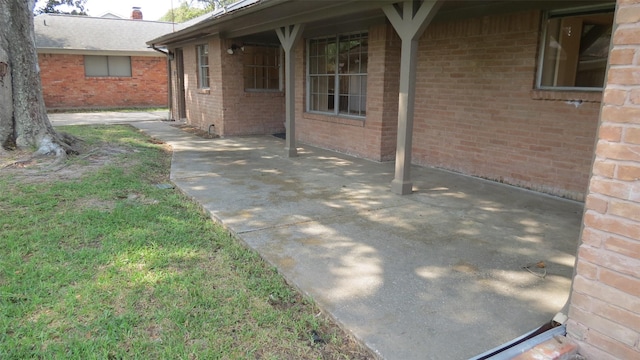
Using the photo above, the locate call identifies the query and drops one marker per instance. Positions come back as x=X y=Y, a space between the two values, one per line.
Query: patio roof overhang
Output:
x=257 y=20
x=274 y=21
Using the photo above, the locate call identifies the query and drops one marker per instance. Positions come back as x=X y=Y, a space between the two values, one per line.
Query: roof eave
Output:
x=197 y=30
x=62 y=51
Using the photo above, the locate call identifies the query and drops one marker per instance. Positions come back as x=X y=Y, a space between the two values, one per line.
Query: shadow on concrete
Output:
x=434 y=275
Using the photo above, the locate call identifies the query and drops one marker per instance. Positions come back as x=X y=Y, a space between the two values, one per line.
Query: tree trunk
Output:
x=24 y=123
x=6 y=98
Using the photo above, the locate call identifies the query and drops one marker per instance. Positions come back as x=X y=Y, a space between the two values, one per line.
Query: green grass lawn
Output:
x=96 y=262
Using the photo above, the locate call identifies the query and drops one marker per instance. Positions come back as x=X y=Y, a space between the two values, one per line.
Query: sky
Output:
x=151 y=9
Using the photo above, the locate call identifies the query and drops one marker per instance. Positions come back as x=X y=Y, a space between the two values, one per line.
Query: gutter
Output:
x=70 y=51
x=166 y=52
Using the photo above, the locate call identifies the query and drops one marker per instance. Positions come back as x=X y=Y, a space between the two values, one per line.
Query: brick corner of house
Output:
x=557 y=348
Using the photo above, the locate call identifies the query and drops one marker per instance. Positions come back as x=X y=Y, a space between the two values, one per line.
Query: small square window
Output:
x=262 y=68
x=103 y=66
x=575 y=50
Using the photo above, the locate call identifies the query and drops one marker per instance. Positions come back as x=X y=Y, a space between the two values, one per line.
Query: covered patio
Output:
x=459 y=267
x=506 y=126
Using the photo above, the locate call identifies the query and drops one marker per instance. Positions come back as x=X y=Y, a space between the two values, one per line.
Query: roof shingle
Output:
x=84 y=33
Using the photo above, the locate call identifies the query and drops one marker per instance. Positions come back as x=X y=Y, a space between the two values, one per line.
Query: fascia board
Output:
x=60 y=51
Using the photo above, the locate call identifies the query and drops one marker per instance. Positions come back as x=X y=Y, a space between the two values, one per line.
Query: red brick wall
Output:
x=476 y=112
x=476 y=108
x=226 y=104
x=604 y=315
x=65 y=86
x=204 y=106
x=375 y=136
x=248 y=112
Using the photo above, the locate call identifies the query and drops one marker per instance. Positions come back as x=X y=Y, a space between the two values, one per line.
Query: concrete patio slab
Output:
x=437 y=274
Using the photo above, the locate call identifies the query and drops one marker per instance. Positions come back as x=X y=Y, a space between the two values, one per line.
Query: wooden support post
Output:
x=289 y=37
x=409 y=19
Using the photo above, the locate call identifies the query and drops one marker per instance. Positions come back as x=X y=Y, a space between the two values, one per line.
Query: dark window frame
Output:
x=340 y=62
x=570 y=63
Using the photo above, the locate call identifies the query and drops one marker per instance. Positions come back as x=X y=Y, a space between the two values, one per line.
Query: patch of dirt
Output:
x=101 y=205
x=195 y=131
x=27 y=168
x=325 y=338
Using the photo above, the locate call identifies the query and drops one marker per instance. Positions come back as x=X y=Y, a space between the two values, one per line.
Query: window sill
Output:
x=204 y=91
x=567 y=95
x=108 y=77
x=335 y=119
x=263 y=90
x=267 y=93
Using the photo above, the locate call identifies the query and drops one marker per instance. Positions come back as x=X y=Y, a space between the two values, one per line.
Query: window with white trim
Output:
x=203 y=66
x=575 y=49
x=103 y=66
x=262 y=67
x=337 y=74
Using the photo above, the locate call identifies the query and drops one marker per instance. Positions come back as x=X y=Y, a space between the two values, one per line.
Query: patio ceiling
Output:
x=256 y=23
x=265 y=16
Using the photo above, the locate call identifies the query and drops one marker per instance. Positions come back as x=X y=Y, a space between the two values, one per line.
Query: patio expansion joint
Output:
x=191 y=177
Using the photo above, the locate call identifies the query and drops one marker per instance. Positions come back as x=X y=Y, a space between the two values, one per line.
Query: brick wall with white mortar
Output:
x=375 y=136
x=247 y=112
x=476 y=112
x=226 y=105
x=604 y=315
x=203 y=106
x=65 y=85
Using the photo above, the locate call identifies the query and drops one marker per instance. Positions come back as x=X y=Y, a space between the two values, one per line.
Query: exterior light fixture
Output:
x=233 y=49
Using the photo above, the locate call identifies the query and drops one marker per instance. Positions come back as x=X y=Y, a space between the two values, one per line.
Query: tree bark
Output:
x=24 y=123
x=6 y=98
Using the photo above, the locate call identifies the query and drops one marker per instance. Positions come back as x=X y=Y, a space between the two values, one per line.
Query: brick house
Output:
x=90 y=62
x=527 y=93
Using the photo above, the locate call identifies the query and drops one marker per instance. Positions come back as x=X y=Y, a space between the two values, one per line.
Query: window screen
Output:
x=97 y=66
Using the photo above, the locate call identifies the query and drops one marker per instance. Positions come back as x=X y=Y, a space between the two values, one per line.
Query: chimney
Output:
x=136 y=14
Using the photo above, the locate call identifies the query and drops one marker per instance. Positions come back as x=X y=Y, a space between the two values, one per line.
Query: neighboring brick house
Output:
x=506 y=91
x=88 y=62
